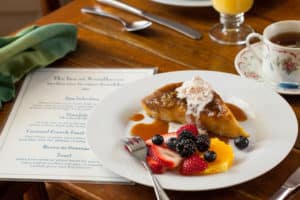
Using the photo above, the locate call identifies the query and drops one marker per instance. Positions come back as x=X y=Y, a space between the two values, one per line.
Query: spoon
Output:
x=134 y=26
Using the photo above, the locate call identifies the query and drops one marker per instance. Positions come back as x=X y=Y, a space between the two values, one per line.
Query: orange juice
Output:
x=232 y=7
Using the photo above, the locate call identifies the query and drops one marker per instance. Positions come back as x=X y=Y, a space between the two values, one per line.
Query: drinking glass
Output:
x=231 y=30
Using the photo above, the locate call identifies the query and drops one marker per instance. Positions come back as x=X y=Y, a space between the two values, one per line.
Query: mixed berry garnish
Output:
x=178 y=150
x=190 y=152
x=192 y=165
x=202 y=142
x=157 y=139
x=171 y=143
x=186 y=135
x=241 y=142
x=191 y=128
x=210 y=156
x=185 y=147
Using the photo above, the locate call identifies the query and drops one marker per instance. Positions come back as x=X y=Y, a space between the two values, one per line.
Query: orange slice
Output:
x=224 y=158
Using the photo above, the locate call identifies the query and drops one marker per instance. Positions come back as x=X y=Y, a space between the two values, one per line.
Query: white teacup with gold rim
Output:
x=281 y=53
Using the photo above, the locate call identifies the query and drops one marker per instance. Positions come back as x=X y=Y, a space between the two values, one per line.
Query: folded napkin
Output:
x=31 y=48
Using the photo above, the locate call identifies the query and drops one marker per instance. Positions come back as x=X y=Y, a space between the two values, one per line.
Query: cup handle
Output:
x=248 y=44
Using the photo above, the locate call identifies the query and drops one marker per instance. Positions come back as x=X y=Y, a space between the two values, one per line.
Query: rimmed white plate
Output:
x=272 y=135
x=186 y=3
x=247 y=65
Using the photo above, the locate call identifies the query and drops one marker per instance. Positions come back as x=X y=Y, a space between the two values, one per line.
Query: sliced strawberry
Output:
x=192 y=128
x=165 y=136
x=193 y=165
x=166 y=157
x=155 y=166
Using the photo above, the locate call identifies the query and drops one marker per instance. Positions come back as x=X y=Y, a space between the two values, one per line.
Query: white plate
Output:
x=272 y=135
x=247 y=65
x=186 y=3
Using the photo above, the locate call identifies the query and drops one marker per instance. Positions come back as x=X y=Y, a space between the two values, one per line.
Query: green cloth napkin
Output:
x=31 y=48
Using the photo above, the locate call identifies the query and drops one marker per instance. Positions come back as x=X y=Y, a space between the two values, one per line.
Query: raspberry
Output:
x=202 y=142
x=185 y=147
x=192 y=165
x=192 y=128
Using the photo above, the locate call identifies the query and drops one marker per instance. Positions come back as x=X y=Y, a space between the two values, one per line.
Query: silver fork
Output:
x=137 y=147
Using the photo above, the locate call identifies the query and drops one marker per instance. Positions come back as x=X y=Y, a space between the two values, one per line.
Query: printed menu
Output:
x=44 y=137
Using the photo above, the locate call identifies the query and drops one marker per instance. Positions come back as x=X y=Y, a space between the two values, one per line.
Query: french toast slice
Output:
x=216 y=117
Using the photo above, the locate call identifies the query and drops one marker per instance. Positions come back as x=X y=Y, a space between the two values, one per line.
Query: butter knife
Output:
x=291 y=184
x=187 y=31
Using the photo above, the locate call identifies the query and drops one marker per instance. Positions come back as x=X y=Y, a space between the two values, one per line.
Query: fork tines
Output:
x=134 y=143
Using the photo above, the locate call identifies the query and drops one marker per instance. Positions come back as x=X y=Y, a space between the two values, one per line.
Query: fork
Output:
x=138 y=149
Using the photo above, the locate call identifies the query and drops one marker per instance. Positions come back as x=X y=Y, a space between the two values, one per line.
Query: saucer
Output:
x=247 y=65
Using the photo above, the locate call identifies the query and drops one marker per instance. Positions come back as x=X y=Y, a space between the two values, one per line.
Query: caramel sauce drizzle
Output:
x=146 y=131
x=239 y=114
x=137 y=117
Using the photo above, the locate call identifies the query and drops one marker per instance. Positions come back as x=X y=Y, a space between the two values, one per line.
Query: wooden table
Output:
x=169 y=51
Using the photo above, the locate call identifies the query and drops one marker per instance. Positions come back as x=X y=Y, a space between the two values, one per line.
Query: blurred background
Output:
x=15 y=14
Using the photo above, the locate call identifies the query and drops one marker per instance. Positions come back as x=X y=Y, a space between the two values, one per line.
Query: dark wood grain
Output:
x=49 y=6
x=259 y=188
x=23 y=191
x=108 y=46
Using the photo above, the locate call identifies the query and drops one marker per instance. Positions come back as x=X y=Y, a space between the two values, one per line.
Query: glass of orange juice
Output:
x=231 y=30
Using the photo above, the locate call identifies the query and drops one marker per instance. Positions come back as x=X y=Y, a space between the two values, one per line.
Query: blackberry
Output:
x=172 y=143
x=157 y=139
x=185 y=147
x=186 y=135
x=210 y=156
x=202 y=142
x=241 y=142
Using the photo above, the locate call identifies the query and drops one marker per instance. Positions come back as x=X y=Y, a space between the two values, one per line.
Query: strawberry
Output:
x=193 y=164
x=166 y=137
x=192 y=128
x=164 y=156
x=155 y=166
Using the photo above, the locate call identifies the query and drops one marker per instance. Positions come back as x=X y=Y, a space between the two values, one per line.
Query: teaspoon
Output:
x=134 y=26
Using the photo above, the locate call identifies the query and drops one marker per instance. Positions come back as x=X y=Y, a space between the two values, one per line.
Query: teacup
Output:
x=280 y=58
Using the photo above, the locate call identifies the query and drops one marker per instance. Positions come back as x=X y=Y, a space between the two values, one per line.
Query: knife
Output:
x=291 y=184
x=187 y=31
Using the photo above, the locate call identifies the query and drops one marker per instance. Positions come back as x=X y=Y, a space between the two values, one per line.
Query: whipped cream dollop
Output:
x=198 y=93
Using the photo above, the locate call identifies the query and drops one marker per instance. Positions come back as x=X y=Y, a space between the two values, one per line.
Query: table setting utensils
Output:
x=138 y=149
x=130 y=27
x=187 y=31
x=290 y=185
